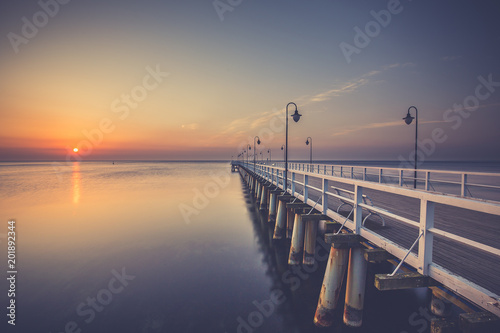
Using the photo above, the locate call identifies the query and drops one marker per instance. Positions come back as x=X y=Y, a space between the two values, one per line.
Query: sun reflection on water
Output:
x=76 y=182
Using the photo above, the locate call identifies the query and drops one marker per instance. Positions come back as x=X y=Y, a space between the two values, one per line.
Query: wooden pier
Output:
x=443 y=239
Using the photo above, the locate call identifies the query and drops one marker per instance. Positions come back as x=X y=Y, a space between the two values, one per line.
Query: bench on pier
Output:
x=350 y=195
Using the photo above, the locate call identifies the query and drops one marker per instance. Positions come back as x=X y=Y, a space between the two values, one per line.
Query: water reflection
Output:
x=76 y=182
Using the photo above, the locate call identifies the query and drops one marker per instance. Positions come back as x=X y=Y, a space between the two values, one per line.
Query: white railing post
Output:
x=427 y=240
x=306 y=189
x=380 y=173
x=293 y=183
x=333 y=169
x=364 y=173
x=341 y=171
x=325 y=196
x=463 y=189
x=427 y=180
x=324 y=171
x=401 y=179
x=358 y=210
x=352 y=172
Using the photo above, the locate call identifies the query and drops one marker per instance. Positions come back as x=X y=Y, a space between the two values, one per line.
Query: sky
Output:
x=198 y=80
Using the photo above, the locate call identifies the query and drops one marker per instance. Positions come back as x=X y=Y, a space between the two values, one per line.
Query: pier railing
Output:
x=314 y=188
x=480 y=185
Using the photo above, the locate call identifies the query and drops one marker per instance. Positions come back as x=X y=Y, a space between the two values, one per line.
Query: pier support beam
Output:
x=439 y=306
x=332 y=284
x=311 y=222
x=297 y=245
x=479 y=322
x=403 y=281
x=289 y=222
x=280 y=227
x=441 y=325
x=377 y=255
x=273 y=205
x=311 y=231
x=259 y=191
x=263 y=199
x=355 y=290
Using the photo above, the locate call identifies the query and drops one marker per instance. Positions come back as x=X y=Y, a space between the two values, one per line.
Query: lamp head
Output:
x=307 y=142
x=258 y=141
x=281 y=147
x=296 y=116
x=249 y=148
x=408 y=119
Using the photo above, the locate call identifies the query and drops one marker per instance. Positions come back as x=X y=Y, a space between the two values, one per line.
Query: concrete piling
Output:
x=263 y=199
x=440 y=306
x=272 y=206
x=296 y=248
x=311 y=230
x=279 y=228
x=259 y=191
x=355 y=289
x=332 y=284
x=289 y=222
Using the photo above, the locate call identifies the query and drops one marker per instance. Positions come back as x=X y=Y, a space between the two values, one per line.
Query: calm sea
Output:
x=161 y=247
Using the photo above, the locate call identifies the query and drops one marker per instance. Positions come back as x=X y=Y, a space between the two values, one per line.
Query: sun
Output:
x=75 y=150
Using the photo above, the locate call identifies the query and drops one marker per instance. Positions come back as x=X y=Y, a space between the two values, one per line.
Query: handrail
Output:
x=458 y=184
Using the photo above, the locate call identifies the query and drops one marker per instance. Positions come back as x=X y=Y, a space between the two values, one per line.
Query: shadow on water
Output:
x=400 y=311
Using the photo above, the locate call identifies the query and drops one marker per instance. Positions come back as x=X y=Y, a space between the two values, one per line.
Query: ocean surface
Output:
x=163 y=247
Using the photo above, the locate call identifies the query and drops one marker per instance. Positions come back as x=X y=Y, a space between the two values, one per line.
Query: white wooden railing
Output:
x=480 y=185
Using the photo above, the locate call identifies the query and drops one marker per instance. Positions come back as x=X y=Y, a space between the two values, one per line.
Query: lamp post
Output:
x=270 y=157
x=310 y=150
x=296 y=117
x=255 y=151
x=248 y=148
x=408 y=119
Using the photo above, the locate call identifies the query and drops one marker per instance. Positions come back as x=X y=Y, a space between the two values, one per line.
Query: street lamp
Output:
x=310 y=150
x=248 y=148
x=270 y=157
x=296 y=117
x=408 y=119
x=255 y=151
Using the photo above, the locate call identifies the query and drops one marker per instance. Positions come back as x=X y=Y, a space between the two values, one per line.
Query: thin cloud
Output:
x=348 y=87
x=354 y=84
x=380 y=125
x=192 y=126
